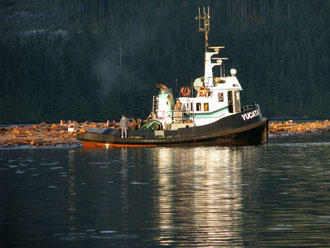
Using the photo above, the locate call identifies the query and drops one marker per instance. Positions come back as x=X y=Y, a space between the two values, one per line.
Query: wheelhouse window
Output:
x=206 y=106
x=237 y=95
x=185 y=107
x=198 y=106
x=220 y=96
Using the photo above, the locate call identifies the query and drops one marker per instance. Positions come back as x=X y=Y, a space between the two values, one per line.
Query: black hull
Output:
x=245 y=128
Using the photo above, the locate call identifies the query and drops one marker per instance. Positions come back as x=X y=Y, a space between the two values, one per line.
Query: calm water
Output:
x=259 y=196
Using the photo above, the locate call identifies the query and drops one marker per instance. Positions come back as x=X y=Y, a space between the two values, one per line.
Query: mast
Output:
x=204 y=23
x=204 y=26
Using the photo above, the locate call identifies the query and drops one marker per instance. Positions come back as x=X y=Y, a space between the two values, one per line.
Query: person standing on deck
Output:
x=178 y=111
x=123 y=126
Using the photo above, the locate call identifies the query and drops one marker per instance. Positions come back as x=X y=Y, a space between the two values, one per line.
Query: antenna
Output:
x=204 y=23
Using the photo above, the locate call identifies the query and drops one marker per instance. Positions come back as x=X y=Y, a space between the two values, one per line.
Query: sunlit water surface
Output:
x=256 y=196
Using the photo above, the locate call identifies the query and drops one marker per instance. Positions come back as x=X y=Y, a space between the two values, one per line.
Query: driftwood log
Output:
x=290 y=127
x=43 y=134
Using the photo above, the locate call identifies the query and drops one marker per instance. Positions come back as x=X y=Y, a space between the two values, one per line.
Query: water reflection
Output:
x=199 y=199
x=72 y=189
x=271 y=196
x=124 y=191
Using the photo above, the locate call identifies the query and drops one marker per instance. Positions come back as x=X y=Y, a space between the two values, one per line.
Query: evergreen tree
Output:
x=113 y=53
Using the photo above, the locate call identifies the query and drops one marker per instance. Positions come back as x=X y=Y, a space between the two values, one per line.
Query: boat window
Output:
x=237 y=95
x=206 y=106
x=198 y=106
x=220 y=96
x=191 y=106
x=184 y=107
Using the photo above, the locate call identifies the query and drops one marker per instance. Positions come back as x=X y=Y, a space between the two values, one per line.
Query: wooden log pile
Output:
x=290 y=127
x=57 y=135
x=44 y=134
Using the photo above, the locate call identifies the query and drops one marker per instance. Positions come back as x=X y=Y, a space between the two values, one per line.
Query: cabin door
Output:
x=230 y=101
x=234 y=101
x=237 y=101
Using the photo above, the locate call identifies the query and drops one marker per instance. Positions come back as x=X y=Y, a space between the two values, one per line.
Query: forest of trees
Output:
x=99 y=59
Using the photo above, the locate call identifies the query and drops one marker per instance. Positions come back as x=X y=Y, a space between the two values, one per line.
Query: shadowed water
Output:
x=255 y=196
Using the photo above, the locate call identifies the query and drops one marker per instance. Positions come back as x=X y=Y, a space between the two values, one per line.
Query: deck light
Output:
x=233 y=72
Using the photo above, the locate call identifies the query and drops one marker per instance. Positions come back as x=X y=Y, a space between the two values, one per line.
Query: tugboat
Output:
x=207 y=113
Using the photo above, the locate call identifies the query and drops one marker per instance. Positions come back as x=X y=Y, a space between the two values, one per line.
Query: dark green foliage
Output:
x=114 y=52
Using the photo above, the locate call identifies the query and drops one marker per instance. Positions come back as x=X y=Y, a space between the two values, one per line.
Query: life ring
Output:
x=155 y=125
x=185 y=91
x=202 y=91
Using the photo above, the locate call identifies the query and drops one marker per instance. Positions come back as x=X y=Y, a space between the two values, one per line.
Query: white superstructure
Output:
x=215 y=97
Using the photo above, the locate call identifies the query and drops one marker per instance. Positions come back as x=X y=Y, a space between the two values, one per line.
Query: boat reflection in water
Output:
x=200 y=193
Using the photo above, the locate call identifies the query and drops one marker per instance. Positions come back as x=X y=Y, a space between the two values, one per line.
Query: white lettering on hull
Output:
x=250 y=115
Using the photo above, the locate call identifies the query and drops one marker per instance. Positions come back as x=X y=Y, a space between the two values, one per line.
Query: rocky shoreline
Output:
x=59 y=135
